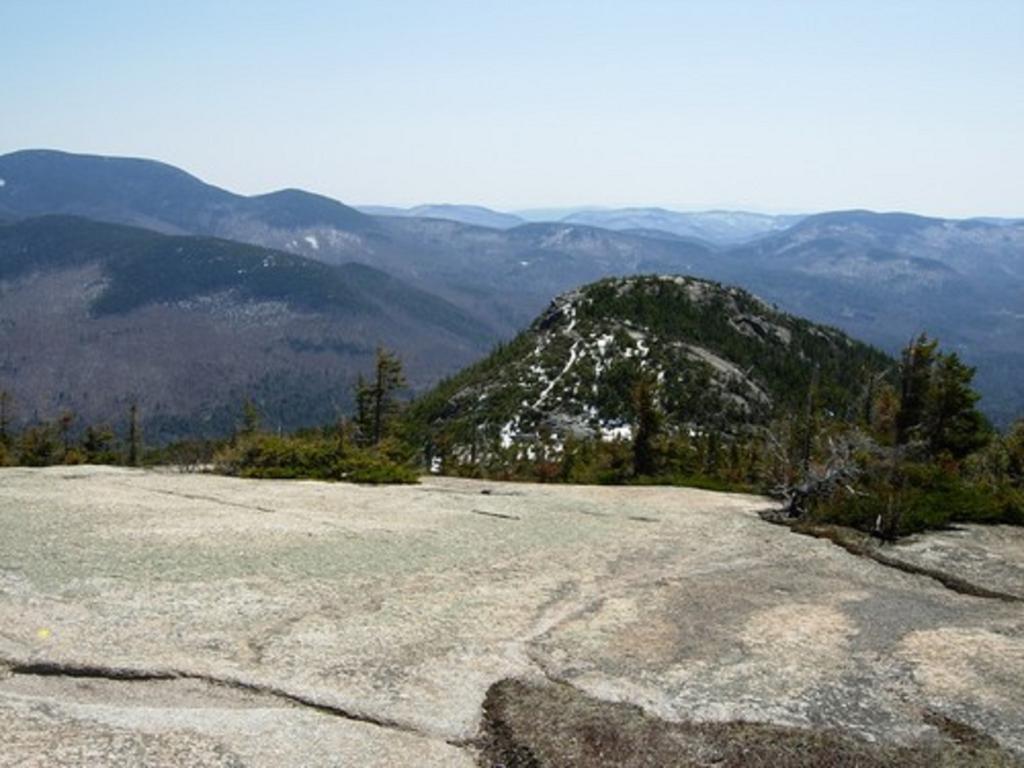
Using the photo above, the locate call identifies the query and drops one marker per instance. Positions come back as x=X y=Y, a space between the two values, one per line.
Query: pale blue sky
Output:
x=771 y=105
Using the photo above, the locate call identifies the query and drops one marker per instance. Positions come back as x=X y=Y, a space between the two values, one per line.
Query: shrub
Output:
x=913 y=497
x=314 y=457
x=39 y=447
x=189 y=455
x=73 y=456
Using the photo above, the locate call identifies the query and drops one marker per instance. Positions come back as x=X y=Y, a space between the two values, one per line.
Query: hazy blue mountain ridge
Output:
x=880 y=276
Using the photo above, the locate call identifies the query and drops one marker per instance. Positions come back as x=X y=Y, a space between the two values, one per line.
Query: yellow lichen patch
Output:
x=803 y=640
x=961 y=662
x=620 y=627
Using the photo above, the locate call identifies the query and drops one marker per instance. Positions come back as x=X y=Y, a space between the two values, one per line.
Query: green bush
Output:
x=915 y=497
x=365 y=467
x=313 y=457
x=39 y=447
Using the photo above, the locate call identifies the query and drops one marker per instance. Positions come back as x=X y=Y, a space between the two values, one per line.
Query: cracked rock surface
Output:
x=992 y=555
x=158 y=618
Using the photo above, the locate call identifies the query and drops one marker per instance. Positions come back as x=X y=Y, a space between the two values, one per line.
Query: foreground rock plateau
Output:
x=155 y=618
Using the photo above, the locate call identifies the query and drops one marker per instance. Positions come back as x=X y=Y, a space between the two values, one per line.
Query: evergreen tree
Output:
x=712 y=454
x=364 y=410
x=39 y=446
x=1015 y=452
x=916 y=364
x=952 y=424
x=375 y=400
x=809 y=425
x=67 y=418
x=5 y=416
x=133 y=434
x=884 y=413
x=647 y=420
x=98 y=445
x=937 y=404
x=345 y=433
x=251 y=417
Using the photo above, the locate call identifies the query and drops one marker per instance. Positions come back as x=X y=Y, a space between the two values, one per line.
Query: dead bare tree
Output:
x=839 y=471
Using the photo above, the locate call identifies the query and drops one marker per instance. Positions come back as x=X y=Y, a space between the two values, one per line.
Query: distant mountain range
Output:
x=154 y=195
x=885 y=277
x=880 y=277
x=475 y=215
x=714 y=227
x=718 y=227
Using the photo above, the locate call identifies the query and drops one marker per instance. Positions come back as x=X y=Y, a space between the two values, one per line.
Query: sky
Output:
x=776 y=106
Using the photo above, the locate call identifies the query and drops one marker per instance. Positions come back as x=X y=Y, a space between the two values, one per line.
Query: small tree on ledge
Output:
x=375 y=399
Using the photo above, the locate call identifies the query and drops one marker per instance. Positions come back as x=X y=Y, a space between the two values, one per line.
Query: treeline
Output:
x=915 y=453
x=361 y=449
x=64 y=441
x=923 y=456
x=364 y=449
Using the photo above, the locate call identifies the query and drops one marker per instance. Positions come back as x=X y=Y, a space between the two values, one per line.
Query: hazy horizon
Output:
x=783 y=107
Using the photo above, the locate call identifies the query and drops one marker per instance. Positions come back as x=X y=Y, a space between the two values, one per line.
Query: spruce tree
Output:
x=364 y=410
x=884 y=413
x=39 y=446
x=809 y=425
x=1015 y=452
x=375 y=399
x=647 y=425
x=952 y=424
x=251 y=417
x=133 y=434
x=916 y=364
x=64 y=423
x=5 y=415
x=97 y=444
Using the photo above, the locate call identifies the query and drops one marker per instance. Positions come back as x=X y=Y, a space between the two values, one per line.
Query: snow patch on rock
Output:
x=611 y=433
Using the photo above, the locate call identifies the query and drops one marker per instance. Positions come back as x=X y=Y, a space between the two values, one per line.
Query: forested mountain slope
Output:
x=880 y=277
x=713 y=358
x=94 y=315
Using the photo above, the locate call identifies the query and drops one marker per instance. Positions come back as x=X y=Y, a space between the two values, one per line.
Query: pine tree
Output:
x=375 y=400
x=952 y=424
x=67 y=418
x=647 y=425
x=364 y=410
x=5 y=407
x=133 y=435
x=1015 y=452
x=937 y=404
x=39 y=446
x=809 y=425
x=97 y=444
x=712 y=454
x=915 y=384
x=251 y=417
x=884 y=413
x=344 y=433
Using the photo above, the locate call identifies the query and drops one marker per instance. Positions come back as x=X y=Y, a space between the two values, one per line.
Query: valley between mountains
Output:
x=309 y=287
x=511 y=385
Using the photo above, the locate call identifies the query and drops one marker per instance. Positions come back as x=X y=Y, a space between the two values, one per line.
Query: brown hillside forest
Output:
x=918 y=455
